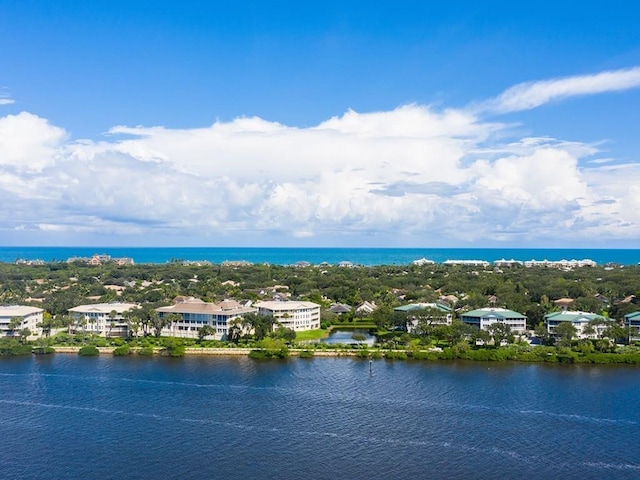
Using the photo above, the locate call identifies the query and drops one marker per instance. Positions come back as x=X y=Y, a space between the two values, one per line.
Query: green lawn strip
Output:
x=307 y=335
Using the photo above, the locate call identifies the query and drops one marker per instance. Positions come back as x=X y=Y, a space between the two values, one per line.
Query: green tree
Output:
x=589 y=330
x=565 y=332
x=205 y=331
x=286 y=334
x=14 y=325
x=83 y=325
x=157 y=323
x=24 y=334
x=500 y=332
x=454 y=333
x=382 y=316
x=542 y=333
x=616 y=332
x=133 y=321
x=46 y=324
x=112 y=320
x=235 y=330
x=262 y=325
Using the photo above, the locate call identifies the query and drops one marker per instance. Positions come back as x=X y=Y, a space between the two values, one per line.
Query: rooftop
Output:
x=493 y=312
x=288 y=305
x=104 y=307
x=18 y=310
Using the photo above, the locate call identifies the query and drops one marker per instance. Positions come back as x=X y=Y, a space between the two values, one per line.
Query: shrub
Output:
x=565 y=355
x=11 y=347
x=270 y=348
x=99 y=342
x=395 y=355
x=63 y=338
x=269 y=354
x=424 y=355
x=307 y=354
x=375 y=354
x=89 y=351
x=44 y=350
x=176 y=351
x=173 y=348
x=122 y=350
x=146 y=351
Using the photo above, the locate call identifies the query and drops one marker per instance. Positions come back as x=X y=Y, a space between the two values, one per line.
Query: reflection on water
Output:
x=350 y=336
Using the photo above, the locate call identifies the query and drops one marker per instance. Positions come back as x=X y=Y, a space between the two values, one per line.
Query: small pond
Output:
x=346 y=336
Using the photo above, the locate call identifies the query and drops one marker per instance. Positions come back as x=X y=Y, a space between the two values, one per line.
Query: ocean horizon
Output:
x=319 y=255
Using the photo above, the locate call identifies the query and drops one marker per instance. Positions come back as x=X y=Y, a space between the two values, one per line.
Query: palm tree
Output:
x=83 y=324
x=171 y=320
x=132 y=319
x=14 y=325
x=112 y=323
x=46 y=324
x=24 y=334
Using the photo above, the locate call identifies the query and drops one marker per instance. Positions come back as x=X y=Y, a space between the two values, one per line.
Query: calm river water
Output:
x=66 y=417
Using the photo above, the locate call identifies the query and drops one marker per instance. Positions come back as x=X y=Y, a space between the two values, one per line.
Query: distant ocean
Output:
x=288 y=256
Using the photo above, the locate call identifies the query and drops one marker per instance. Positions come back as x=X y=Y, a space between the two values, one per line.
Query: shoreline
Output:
x=431 y=356
x=220 y=351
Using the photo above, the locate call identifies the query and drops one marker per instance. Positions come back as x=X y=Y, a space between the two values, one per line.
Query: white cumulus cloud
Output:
x=414 y=174
x=28 y=142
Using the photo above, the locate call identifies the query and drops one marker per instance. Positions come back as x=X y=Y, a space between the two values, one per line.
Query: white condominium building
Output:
x=483 y=317
x=104 y=319
x=292 y=314
x=30 y=318
x=579 y=320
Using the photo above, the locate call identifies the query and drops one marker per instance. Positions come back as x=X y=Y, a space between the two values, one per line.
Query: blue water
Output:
x=288 y=256
x=67 y=417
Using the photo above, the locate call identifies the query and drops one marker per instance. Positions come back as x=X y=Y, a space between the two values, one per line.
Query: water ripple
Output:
x=402 y=442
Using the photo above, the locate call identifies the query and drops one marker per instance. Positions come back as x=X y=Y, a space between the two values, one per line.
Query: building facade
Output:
x=429 y=313
x=632 y=320
x=195 y=314
x=29 y=317
x=483 y=317
x=295 y=315
x=103 y=319
x=578 y=319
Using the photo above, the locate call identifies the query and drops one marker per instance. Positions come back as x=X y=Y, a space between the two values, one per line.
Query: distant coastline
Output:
x=317 y=256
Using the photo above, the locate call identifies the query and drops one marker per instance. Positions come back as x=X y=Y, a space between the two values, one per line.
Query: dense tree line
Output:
x=59 y=286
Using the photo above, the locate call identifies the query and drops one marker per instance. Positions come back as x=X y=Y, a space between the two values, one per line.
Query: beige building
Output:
x=30 y=316
x=195 y=314
x=292 y=314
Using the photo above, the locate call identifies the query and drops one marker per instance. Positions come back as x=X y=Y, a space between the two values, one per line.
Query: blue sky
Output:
x=320 y=123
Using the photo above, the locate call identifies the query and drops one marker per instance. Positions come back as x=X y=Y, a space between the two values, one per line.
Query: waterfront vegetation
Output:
x=610 y=291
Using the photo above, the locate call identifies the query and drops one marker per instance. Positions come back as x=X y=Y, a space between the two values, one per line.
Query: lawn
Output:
x=311 y=335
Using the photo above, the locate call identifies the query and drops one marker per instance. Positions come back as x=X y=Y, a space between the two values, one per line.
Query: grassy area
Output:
x=311 y=335
x=354 y=325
